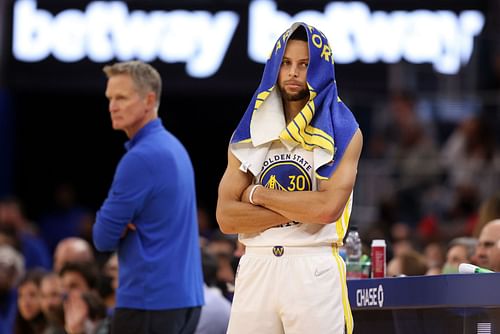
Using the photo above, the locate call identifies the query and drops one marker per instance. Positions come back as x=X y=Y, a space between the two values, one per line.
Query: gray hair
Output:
x=145 y=77
x=468 y=243
x=11 y=258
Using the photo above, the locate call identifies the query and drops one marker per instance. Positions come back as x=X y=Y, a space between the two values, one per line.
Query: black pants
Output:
x=176 y=321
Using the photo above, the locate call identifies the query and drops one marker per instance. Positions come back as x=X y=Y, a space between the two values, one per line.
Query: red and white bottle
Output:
x=378 y=258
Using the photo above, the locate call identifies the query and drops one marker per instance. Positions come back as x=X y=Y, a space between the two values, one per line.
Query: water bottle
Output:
x=353 y=249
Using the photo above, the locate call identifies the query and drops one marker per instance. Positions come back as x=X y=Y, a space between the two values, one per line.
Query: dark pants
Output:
x=176 y=321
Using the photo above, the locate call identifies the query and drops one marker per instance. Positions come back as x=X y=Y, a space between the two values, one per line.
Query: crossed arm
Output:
x=235 y=214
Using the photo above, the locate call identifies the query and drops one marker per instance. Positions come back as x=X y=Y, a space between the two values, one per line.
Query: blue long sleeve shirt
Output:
x=153 y=188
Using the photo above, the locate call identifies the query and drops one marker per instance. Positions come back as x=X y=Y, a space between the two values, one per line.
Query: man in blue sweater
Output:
x=149 y=216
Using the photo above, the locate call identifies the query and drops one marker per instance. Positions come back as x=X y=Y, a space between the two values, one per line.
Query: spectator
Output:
x=84 y=309
x=223 y=248
x=52 y=303
x=434 y=254
x=85 y=312
x=72 y=250
x=11 y=270
x=215 y=313
x=460 y=250
x=79 y=276
x=409 y=263
x=110 y=273
x=30 y=318
x=490 y=234
x=495 y=257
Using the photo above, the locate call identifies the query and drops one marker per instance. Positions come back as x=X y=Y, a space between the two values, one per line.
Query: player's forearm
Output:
x=313 y=207
x=242 y=217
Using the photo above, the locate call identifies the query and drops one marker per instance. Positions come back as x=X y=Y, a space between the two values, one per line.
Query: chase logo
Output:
x=278 y=251
x=286 y=176
x=369 y=297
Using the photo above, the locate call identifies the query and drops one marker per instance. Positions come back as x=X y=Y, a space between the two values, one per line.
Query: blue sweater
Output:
x=153 y=188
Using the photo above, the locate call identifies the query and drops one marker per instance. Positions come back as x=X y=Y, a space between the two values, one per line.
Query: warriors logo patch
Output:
x=278 y=251
x=286 y=176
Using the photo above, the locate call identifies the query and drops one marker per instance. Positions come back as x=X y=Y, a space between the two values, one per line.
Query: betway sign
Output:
x=108 y=30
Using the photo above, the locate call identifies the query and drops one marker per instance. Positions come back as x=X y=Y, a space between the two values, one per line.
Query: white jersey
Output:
x=293 y=170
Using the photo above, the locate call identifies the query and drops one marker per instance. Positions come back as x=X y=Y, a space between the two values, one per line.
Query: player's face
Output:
x=127 y=106
x=293 y=71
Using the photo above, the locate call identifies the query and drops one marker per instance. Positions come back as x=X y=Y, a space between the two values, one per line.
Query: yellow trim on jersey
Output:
x=343 y=222
x=345 y=297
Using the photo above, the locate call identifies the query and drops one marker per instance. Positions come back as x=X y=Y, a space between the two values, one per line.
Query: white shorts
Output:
x=303 y=290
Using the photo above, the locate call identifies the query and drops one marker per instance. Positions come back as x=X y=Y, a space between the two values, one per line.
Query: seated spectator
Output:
x=84 y=309
x=488 y=238
x=214 y=316
x=30 y=318
x=79 y=276
x=223 y=247
x=72 y=250
x=460 y=250
x=434 y=254
x=110 y=273
x=85 y=313
x=52 y=303
x=409 y=263
x=11 y=270
x=495 y=257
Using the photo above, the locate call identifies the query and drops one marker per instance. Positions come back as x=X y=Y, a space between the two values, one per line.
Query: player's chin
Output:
x=296 y=96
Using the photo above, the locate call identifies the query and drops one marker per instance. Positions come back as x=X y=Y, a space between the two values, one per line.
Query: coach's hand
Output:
x=130 y=227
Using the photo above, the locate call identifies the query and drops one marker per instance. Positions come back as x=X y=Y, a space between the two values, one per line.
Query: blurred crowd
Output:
x=437 y=188
x=56 y=282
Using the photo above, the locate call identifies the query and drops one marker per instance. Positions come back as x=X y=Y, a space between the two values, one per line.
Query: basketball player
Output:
x=287 y=192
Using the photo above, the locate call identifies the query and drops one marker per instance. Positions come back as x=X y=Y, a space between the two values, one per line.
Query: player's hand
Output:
x=130 y=227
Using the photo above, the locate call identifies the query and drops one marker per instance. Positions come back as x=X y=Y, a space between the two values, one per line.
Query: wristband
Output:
x=250 y=196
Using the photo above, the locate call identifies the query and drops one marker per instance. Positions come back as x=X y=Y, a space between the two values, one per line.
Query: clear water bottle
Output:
x=353 y=249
